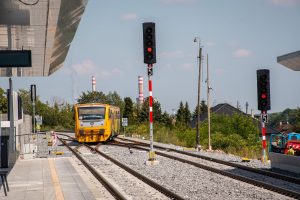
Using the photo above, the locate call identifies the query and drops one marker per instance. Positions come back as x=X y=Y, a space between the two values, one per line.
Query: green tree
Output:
x=143 y=114
x=66 y=116
x=26 y=101
x=92 y=97
x=297 y=121
x=114 y=99
x=187 y=114
x=203 y=109
x=3 y=101
x=234 y=131
x=289 y=115
x=166 y=119
x=128 y=109
x=180 y=115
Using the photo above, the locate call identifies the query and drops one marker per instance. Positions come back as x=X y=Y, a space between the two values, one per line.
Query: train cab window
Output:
x=91 y=113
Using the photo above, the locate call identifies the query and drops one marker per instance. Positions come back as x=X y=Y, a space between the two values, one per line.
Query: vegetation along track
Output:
x=261 y=184
x=111 y=189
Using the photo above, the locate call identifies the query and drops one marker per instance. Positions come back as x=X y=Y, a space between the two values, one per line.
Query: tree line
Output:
x=236 y=134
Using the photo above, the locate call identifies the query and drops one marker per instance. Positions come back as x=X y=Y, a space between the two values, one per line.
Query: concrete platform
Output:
x=45 y=179
x=285 y=162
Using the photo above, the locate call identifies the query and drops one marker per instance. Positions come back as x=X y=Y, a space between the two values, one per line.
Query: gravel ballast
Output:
x=188 y=181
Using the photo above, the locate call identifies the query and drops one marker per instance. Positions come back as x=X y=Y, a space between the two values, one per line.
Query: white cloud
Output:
x=129 y=16
x=242 y=53
x=172 y=54
x=87 y=67
x=187 y=66
x=284 y=2
x=178 y=1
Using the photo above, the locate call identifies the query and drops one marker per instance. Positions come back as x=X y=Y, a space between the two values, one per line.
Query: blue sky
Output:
x=239 y=37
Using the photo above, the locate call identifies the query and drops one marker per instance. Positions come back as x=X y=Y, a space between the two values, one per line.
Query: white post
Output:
x=208 y=106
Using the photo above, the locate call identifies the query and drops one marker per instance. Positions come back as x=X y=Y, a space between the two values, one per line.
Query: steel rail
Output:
x=254 y=182
x=251 y=169
x=151 y=183
x=114 y=192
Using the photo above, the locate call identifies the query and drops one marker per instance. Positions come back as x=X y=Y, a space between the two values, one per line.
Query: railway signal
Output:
x=263 y=89
x=149 y=43
x=264 y=104
x=150 y=59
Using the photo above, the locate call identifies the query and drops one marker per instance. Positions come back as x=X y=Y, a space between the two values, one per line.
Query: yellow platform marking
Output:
x=58 y=192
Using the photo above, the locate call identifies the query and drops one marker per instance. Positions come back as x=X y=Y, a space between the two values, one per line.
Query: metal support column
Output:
x=152 y=157
x=264 y=158
x=198 y=97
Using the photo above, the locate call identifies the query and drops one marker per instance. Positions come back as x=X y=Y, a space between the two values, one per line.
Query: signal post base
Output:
x=152 y=159
x=152 y=162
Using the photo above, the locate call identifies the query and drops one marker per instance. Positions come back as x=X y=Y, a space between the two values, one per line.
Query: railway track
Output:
x=268 y=186
x=115 y=192
x=235 y=165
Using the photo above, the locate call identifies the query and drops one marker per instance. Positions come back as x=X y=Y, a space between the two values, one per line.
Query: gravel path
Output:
x=188 y=181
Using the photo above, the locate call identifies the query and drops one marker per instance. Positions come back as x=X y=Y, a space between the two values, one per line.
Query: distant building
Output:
x=285 y=127
x=221 y=109
x=227 y=109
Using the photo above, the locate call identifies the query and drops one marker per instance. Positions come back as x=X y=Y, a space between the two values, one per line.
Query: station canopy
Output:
x=290 y=60
x=46 y=27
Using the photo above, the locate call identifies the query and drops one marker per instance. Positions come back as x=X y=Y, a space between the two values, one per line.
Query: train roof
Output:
x=94 y=104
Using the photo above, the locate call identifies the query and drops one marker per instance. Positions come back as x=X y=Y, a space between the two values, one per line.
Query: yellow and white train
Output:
x=96 y=122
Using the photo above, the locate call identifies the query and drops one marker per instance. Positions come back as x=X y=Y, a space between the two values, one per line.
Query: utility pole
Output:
x=33 y=99
x=208 y=105
x=198 y=98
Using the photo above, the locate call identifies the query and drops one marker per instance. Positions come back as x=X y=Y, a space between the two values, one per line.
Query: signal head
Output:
x=263 y=90
x=149 y=42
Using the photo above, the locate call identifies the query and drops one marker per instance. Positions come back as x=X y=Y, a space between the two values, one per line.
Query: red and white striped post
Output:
x=263 y=133
x=93 y=83
x=141 y=92
x=151 y=152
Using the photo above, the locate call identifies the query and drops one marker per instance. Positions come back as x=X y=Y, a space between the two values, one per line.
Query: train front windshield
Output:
x=91 y=113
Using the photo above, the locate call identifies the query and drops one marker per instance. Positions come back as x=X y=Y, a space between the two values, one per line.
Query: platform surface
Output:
x=285 y=162
x=45 y=179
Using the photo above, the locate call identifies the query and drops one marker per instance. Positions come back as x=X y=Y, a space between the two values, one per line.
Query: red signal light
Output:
x=263 y=96
x=149 y=49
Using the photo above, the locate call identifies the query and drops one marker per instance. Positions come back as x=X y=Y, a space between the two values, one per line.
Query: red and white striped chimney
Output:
x=93 y=83
x=141 y=91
